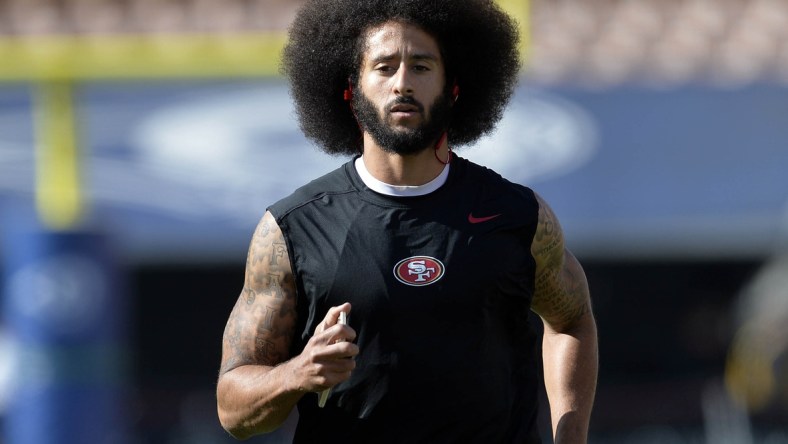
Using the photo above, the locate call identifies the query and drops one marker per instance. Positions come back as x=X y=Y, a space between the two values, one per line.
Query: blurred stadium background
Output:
x=140 y=142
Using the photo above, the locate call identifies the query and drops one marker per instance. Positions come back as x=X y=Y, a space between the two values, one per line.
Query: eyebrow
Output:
x=418 y=56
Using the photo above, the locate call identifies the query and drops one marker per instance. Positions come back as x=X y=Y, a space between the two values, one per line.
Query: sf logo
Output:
x=419 y=270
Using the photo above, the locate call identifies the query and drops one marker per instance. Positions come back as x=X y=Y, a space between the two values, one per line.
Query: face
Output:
x=403 y=104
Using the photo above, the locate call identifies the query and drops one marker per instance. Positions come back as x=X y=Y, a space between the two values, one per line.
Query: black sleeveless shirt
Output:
x=440 y=286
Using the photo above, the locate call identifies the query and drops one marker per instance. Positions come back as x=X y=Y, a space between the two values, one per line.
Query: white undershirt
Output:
x=399 y=190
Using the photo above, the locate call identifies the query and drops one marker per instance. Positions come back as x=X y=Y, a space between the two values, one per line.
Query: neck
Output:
x=410 y=170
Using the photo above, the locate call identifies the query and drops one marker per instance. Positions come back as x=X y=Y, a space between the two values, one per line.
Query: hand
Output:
x=327 y=359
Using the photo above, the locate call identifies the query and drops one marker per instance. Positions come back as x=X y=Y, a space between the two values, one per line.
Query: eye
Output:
x=385 y=69
x=421 y=68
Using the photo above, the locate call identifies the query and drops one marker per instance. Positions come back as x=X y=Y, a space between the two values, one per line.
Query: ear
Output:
x=348 y=93
x=455 y=91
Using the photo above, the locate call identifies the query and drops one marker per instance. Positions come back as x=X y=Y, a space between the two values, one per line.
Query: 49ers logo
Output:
x=419 y=270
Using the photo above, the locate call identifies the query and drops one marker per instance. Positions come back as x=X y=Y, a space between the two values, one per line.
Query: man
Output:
x=436 y=261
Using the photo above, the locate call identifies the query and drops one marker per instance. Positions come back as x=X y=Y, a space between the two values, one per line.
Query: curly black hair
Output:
x=478 y=42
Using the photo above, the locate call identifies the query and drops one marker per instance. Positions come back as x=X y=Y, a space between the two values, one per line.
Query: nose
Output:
x=402 y=82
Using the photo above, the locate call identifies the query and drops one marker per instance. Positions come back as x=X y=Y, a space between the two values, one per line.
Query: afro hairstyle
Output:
x=478 y=42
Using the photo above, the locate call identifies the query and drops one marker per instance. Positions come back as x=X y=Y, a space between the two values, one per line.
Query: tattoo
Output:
x=560 y=288
x=262 y=323
x=250 y=296
x=232 y=344
x=267 y=352
x=260 y=243
x=265 y=229
x=269 y=313
x=548 y=244
x=274 y=287
x=278 y=250
x=231 y=334
x=561 y=295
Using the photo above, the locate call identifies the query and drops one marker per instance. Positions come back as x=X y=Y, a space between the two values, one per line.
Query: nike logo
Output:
x=478 y=220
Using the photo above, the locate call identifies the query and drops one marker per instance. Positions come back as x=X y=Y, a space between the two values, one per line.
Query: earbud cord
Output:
x=437 y=147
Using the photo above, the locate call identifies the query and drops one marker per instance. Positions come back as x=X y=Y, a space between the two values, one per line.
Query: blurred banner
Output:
x=182 y=172
x=65 y=313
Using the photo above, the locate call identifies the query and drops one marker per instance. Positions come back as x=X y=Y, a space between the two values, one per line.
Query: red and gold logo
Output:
x=419 y=270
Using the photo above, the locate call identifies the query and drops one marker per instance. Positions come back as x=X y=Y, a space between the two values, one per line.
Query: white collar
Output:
x=399 y=190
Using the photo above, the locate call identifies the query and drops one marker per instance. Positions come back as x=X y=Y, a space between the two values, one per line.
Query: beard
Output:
x=407 y=140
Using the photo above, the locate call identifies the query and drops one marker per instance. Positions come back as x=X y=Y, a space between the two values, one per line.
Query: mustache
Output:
x=402 y=100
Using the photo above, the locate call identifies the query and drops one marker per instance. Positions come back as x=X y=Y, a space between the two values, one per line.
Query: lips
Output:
x=404 y=108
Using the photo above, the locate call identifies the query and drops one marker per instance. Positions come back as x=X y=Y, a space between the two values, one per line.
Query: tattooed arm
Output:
x=259 y=383
x=570 y=354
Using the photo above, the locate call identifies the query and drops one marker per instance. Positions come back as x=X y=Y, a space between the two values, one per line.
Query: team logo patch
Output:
x=419 y=270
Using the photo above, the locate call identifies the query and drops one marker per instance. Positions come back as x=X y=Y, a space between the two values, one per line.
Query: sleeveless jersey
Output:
x=440 y=287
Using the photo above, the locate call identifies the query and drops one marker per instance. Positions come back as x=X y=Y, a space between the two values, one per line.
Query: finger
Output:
x=337 y=371
x=332 y=317
x=338 y=366
x=328 y=373
x=331 y=379
x=338 y=333
x=342 y=350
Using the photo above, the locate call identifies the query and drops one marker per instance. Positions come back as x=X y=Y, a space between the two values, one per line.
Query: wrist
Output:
x=292 y=382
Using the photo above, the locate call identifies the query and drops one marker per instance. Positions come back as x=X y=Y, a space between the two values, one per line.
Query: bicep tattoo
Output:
x=560 y=290
x=261 y=325
x=561 y=294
